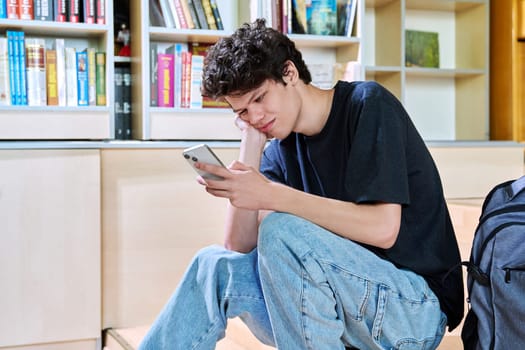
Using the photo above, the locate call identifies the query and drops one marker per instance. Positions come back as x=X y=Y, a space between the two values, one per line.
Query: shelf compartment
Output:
x=48 y=123
x=192 y=124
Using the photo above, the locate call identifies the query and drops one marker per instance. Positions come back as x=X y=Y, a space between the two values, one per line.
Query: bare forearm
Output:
x=373 y=224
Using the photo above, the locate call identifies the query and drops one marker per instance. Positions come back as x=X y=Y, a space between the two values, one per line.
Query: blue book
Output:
x=13 y=66
x=3 y=8
x=22 y=68
x=82 y=78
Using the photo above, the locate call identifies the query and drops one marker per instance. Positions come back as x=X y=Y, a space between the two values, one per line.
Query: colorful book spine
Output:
x=60 y=48
x=51 y=77
x=187 y=14
x=186 y=79
x=82 y=79
x=100 y=62
x=13 y=11
x=127 y=103
x=3 y=9
x=60 y=10
x=43 y=10
x=22 y=68
x=92 y=77
x=71 y=76
x=74 y=11
x=179 y=12
x=153 y=69
x=101 y=11
x=201 y=15
x=193 y=14
x=177 y=49
x=5 y=87
x=165 y=79
x=26 y=10
x=119 y=101
x=36 y=72
x=90 y=13
x=216 y=14
x=196 y=81
x=209 y=14
x=13 y=66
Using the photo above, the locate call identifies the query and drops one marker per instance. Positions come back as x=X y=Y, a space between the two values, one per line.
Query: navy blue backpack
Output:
x=496 y=272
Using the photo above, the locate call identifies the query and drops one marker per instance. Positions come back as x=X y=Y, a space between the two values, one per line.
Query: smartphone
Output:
x=204 y=154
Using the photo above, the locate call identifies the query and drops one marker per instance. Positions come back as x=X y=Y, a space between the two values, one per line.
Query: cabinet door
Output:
x=49 y=246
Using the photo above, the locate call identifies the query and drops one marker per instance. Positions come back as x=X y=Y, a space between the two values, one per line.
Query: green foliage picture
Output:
x=421 y=49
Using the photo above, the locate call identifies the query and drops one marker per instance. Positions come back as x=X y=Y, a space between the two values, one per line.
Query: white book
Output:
x=61 y=72
x=5 y=90
x=36 y=71
x=196 y=81
x=71 y=77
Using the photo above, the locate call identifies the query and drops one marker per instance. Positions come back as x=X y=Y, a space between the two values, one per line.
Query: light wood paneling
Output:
x=49 y=246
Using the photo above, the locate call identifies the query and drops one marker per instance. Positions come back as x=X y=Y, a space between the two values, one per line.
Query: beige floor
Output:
x=464 y=215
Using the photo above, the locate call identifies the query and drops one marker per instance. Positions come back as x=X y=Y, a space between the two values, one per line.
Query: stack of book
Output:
x=176 y=76
x=186 y=14
x=33 y=74
x=76 y=11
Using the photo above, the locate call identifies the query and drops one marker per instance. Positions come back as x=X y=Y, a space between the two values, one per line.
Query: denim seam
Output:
x=206 y=335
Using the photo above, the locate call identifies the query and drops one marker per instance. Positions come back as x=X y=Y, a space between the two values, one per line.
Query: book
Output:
x=346 y=11
x=187 y=14
x=74 y=11
x=321 y=17
x=5 y=88
x=421 y=49
x=92 y=76
x=210 y=19
x=196 y=81
x=60 y=48
x=71 y=76
x=165 y=79
x=127 y=102
x=216 y=14
x=13 y=66
x=179 y=12
x=153 y=69
x=3 y=9
x=166 y=13
x=43 y=10
x=60 y=9
x=119 y=101
x=25 y=9
x=22 y=67
x=176 y=50
x=51 y=77
x=100 y=65
x=201 y=49
x=322 y=75
x=101 y=13
x=36 y=72
x=156 y=17
x=89 y=11
x=186 y=79
x=193 y=14
x=299 y=24
x=12 y=9
x=201 y=15
x=82 y=79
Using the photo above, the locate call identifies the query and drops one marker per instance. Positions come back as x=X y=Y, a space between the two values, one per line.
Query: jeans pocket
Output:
x=407 y=324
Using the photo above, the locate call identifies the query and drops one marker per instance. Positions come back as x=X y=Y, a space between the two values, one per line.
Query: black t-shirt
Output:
x=369 y=151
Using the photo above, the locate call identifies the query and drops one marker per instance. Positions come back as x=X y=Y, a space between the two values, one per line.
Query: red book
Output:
x=60 y=10
x=89 y=11
x=101 y=11
x=74 y=11
x=13 y=10
x=186 y=79
x=165 y=67
x=26 y=9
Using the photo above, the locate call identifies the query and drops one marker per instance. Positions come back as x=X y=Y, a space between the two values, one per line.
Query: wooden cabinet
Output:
x=50 y=248
x=446 y=103
x=507 y=70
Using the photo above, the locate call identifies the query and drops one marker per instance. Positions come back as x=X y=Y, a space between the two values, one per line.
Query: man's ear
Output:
x=291 y=74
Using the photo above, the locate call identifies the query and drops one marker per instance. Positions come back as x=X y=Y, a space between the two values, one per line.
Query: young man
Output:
x=337 y=232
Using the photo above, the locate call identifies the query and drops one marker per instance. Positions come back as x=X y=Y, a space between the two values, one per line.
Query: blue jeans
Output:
x=302 y=288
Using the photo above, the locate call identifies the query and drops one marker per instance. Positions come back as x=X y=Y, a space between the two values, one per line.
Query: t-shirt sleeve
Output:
x=377 y=164
x=271 y=163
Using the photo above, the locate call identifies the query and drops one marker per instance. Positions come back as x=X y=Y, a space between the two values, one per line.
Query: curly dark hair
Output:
x=243 y=61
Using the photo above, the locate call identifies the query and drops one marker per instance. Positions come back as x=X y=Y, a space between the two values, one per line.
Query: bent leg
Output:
x=326 y=292
x=219 y=284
